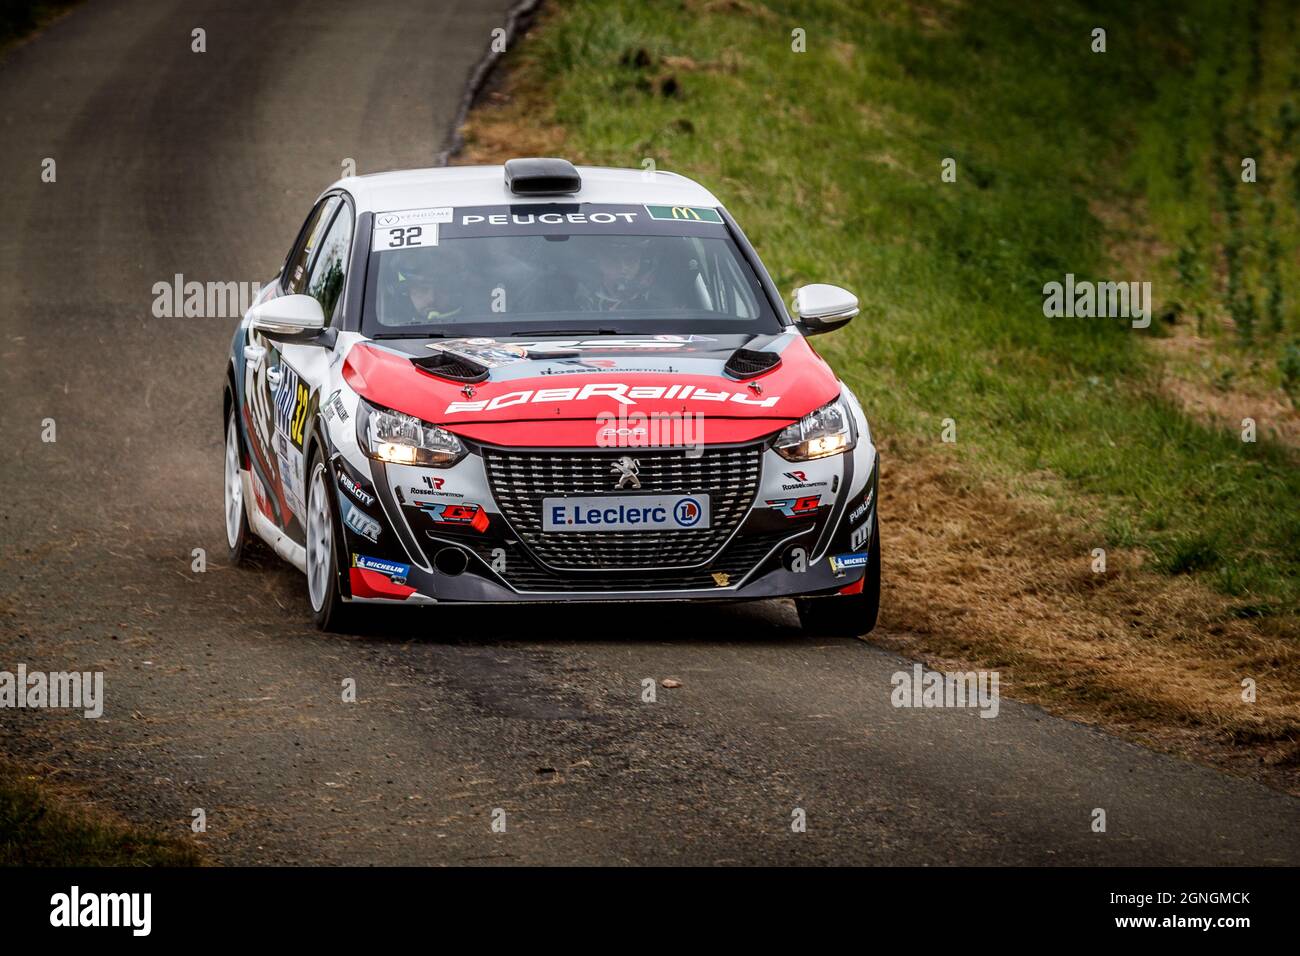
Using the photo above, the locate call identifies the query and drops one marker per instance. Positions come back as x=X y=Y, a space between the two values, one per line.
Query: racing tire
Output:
x=847 y=615
x=241 y=544
x=329 y=612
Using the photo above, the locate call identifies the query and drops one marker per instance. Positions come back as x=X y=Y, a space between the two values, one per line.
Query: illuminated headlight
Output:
x=819 y=434
x=406 y=440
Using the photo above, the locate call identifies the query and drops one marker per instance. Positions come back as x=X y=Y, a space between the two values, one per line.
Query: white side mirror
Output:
x=822 y=307
x=287 y=315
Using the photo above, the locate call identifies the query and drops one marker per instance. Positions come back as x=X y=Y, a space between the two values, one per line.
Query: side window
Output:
x=326 y=281
x=295 y=270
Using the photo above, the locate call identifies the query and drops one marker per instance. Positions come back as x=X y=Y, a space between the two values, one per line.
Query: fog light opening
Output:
x=451 y=561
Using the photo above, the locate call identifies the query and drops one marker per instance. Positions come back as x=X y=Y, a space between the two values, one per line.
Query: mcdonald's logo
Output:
x=689 y=213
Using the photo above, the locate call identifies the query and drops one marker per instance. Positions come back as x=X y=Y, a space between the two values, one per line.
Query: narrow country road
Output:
x=219 y=693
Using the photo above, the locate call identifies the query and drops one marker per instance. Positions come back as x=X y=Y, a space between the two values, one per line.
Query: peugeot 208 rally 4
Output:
x=540 y=382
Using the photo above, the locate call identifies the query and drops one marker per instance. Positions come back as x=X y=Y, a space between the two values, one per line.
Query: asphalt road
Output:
x=220 y=696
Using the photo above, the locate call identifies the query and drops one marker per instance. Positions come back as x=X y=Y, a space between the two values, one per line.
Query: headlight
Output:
x=819 y=434
x=406 y=440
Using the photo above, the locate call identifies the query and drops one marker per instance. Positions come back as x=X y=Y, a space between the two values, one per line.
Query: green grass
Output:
x=38 y=829
x=830 y=159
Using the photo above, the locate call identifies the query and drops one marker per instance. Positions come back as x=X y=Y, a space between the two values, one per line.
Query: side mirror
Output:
x=822 y=307
x=288 y=315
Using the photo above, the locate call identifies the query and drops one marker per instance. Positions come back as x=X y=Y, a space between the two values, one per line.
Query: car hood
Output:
x=739 y=386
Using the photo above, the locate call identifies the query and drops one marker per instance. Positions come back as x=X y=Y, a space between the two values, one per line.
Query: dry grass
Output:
x=1194 y=375
x=979 y=578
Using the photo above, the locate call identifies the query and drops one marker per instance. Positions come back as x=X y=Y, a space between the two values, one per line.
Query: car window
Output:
x=326 y=281
x=502 y=270
x=295 y=269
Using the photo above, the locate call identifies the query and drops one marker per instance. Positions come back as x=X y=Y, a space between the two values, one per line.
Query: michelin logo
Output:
x=843 y=562
x=394 y=569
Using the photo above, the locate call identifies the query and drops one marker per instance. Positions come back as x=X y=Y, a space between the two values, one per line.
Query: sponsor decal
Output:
x=842 y=562
x=426 y=493
x=360 y=522
x=355 y=490
x=260 y=496
x=289 y=460
x=452 y=513
x=689 y=213
x=291 y=397
x=799 y=480
x=861 y=509
x=625 y=513
x=618 y=392
x=656 y=343
x=549 y=218
x=796 y=507
x=481 y=351
x=859 y=536
x=334 y=406
x=395 y=570
x=414 y=217
x=433 y=483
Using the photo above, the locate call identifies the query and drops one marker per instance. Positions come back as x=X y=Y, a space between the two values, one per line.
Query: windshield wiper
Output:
x=543 y=332
x=410 y=335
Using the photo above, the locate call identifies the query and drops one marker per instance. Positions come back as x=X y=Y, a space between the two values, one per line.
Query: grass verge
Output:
x=1068 y=439
x=41 y=827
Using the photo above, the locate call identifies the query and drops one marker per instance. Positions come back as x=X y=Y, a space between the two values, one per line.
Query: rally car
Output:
x=538 y=382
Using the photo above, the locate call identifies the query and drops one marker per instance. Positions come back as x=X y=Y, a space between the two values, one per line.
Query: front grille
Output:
x=520 y=480
x=741 y=556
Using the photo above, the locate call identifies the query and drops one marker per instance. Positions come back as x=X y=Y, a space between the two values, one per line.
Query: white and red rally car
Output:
x=538 y=382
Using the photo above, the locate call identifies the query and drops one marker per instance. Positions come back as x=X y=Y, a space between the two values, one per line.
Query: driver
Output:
x=623 y=281
x=423 y=295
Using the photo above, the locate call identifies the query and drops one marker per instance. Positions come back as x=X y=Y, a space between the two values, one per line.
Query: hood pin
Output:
x=468 y=391
x=758 y=389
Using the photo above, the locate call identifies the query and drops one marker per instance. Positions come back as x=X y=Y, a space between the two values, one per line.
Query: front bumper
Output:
x=464 y=535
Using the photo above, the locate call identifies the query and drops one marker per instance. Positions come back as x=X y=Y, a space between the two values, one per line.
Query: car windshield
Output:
x=574 y=268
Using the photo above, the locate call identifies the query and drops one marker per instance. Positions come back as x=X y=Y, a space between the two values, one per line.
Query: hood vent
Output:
x=747 y=363
x=457 y=368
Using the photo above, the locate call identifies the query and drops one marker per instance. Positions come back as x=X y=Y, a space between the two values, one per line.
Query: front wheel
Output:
x=848 y=615
x=327 y=607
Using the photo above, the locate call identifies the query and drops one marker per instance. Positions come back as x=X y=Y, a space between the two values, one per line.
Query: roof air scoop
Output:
x=542 y=177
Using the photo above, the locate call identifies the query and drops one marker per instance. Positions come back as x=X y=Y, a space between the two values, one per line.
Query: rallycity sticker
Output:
x=396 y=570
